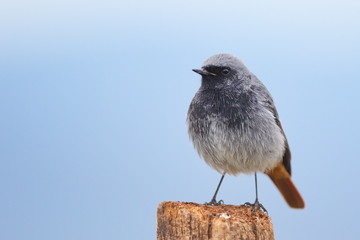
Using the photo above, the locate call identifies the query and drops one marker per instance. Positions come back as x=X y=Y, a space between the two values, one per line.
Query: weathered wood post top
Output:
x=191 y=221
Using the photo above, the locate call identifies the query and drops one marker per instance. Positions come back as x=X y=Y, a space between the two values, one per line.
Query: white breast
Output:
x=252 y=147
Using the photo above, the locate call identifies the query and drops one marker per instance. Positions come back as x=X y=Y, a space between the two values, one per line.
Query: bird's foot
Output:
x=213 y=202
x=256 y=206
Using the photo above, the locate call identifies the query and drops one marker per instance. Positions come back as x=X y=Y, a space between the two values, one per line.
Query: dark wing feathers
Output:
x=287 y=154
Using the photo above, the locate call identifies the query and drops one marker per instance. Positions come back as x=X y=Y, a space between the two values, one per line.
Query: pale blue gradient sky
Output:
x=94 y=95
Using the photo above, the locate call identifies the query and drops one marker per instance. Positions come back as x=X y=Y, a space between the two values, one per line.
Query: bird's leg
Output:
x=213 y=200
x=256 y=205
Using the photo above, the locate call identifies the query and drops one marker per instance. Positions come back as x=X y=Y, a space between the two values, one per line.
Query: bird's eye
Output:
x=225 y=71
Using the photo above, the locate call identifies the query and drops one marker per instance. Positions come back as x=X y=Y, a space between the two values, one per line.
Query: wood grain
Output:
x=192 y=221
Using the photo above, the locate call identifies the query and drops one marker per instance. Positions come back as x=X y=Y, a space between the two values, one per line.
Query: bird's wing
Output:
x=268 y=102
x=287 y=154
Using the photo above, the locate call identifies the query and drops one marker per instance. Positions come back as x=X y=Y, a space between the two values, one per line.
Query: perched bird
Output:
x=234 y=126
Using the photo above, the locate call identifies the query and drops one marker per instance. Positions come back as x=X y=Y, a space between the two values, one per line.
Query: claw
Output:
x=213 y=202
x=256 y=206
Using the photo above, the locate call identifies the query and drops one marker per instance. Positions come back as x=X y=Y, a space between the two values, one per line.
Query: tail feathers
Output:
x=282 y=181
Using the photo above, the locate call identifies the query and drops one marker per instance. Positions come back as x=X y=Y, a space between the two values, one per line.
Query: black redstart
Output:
x=234 y=126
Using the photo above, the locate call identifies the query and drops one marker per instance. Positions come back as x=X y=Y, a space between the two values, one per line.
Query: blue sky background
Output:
x=94 y=95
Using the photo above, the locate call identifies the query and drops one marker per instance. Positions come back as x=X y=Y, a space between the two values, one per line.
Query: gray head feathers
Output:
x=226 y=60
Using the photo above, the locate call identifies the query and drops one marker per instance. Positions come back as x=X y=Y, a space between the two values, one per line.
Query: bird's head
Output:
x=221 y=69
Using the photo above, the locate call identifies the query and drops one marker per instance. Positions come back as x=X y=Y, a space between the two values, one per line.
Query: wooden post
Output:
x=192 y=221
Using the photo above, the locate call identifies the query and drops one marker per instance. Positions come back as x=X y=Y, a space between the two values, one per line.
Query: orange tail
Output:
x=282 y=180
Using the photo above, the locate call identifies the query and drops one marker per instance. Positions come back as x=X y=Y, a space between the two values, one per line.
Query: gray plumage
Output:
x=232 y=120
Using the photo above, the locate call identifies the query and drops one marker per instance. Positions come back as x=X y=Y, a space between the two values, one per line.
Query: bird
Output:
x=234 y=126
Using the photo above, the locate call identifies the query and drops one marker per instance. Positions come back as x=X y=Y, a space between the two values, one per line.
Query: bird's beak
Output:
x=204 y=73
